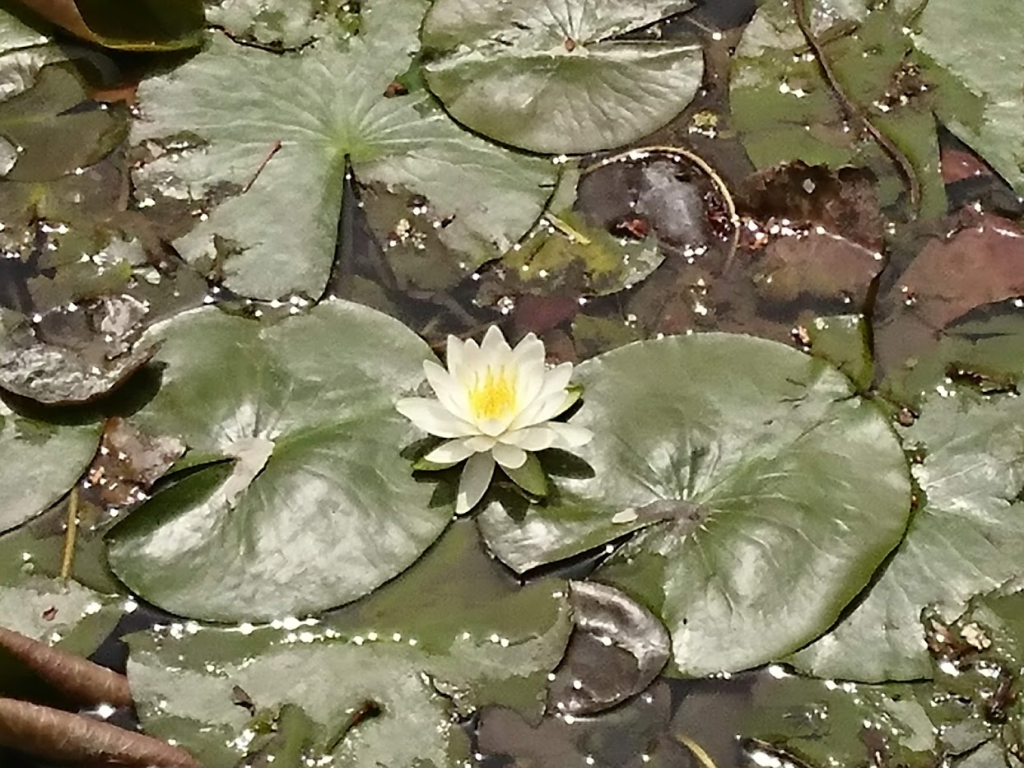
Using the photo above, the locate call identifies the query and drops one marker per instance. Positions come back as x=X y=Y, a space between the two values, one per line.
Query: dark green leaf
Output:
x=312 y=505
x=254 y=138
x=40 y=463
x=771 y=493
x=560 y=70
x=965 y=537
x=530 y=477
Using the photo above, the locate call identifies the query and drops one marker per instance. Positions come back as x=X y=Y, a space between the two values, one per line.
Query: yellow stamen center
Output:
x=493 y=395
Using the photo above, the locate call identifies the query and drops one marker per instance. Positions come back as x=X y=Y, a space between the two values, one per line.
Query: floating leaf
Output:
x=298 y=499
x=261 y=128
x=65 y=615
x=572 y=84
x=459 y=607
x=153 y=25
x=189 y=690
x=769 y=491
x=965 y=537
x=986 y=62
x=14 y=33
x=60 y=375
x=41 y=461
x=845 y=342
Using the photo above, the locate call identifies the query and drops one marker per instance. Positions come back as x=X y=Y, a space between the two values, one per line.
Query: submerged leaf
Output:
x=55 y=128
x=297 y=499
x=246 y=129
x=769 y=492
x=573 y=85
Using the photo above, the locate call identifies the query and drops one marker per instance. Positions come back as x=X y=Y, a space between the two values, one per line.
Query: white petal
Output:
x=468 y=361
x=455 y=357
x=492 y=427
x=509 y=455
x=557 y=379
x=481 y=443
x=569 y=435
x=529 y=360
x=431 y=416
x=451 y=395
x=451 y=452
x=474 y=481
x=494 y=340
x=495 y=351
x=542 y=409
x=531 y=438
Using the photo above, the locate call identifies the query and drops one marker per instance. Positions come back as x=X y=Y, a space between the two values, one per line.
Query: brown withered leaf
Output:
x=56 y=735
x=81 y=680
x=843 y=202
x=979 y=264
x=816 y=264
x=129 y=462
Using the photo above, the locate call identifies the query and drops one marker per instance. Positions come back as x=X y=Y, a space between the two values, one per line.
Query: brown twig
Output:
x=853 y=110
x=72 y=534
x=56 y=735
x=274 y=149
x=80 y=679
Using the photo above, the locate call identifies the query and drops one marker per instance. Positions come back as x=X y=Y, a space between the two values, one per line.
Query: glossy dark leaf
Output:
x=768 y=494
x=309 y=503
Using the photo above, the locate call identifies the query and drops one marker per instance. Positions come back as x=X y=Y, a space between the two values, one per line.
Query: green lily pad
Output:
x=69 y=615
x=844 y=340
x=213 y=123
x=41 y=461
x=226 y=694
x=449 y=635
x=965 y=537
x=297 y=499
x=458 y=606
x=56 y=128
x=281 y=24
x=986 y=62
x=770 y=493
x=573 y=85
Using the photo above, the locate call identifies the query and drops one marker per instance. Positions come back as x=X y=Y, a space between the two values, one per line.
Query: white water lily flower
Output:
x=496 y=404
